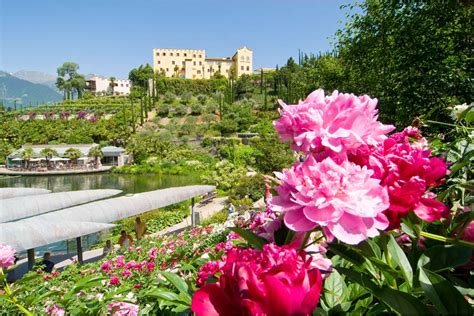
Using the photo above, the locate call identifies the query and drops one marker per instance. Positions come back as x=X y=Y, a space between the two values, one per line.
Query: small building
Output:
x=99 y=85
x=112 y=156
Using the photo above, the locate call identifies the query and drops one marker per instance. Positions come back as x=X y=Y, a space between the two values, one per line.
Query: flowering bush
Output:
x=81 y=115
x=64 y=115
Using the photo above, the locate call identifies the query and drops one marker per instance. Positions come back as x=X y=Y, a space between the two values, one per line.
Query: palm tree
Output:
x=73 y=154
x=27 y=154
x=112 y=84
x=96 y=153
x=48 y=153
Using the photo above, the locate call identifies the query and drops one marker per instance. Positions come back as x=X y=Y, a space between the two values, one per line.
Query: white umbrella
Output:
x=23 y=207
x=6 y=193
x=110 y=210
x=83 y=158
x=36 y=233
x=17 y=159
x=56 y=159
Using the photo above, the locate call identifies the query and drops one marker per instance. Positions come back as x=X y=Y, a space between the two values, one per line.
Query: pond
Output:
x=126 y=183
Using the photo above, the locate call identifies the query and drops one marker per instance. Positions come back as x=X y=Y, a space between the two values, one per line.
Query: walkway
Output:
x=5 y=171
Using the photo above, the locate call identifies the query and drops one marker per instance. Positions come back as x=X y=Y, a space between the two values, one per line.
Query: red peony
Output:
x=274 y=281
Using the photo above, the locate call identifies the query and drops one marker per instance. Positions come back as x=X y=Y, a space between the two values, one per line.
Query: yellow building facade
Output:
x=194 y=64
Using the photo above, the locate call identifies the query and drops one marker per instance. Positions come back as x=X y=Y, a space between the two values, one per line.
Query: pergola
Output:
x=33 y=221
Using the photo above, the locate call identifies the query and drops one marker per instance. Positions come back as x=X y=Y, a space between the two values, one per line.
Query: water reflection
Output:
x=126 y=183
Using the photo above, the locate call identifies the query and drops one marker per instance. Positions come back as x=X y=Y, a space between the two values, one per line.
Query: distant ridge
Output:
x=24 y=92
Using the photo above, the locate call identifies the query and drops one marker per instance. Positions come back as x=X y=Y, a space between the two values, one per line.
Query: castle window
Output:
x=171 y=54
x=167 y=69
x=241 y=67
x=242 y=58
x=185 y=54
x=248 y=68
x=200 y=63
x=157 y=54
x=200 y=56
x=194 y=63
x=159 y=62
x=173 y=62
x=164 y=54
x=199 y=72
x=177 y=54
x=194 y=55
x=248 y=58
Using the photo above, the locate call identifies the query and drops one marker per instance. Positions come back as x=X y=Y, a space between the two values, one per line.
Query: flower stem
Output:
x=446 y=124
x=448 y=240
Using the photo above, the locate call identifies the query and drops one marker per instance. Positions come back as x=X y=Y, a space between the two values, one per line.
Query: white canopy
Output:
x=35 y=233
x=17 y=159
x=6 y=193
x=27 y=206
x=110 y=210
x=58 y=159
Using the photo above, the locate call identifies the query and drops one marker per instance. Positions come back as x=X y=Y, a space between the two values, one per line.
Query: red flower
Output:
x=275 y=281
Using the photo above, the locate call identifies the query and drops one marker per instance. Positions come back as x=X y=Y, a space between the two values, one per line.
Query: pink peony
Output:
x=114 y=280
x=7 y=256
x=54 y=310
x=122 y=308
x=261 y=283
x=106 y=267
x=150 y=266
x=126 y=273
x=341 y=198
x=153 y=253
x=407 y=169
x=119 y=261
x=333 y=124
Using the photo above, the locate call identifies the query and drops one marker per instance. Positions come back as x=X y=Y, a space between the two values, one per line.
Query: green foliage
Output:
x=178 y=86
x=224 y=175
x=252 y=187
x=414 y=56
x=271 y=155
x=169 y=97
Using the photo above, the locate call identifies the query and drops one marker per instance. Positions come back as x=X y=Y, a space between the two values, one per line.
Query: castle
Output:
x=194 y=64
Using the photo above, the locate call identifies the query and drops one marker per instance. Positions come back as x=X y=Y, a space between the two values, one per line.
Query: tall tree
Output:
x=69 y=81
x=112 y=85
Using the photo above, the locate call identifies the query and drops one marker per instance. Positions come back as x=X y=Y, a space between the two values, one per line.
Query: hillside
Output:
x=25 y=92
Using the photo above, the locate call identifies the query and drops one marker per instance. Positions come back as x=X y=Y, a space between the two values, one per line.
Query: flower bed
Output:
x=367 y=223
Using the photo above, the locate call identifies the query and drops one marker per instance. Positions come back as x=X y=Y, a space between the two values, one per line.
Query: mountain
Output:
x=24 y=92
x=37 y=77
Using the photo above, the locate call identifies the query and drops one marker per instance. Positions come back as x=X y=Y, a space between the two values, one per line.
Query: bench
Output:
x=207 y=199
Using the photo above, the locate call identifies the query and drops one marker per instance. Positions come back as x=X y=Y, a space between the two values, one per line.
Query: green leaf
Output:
x=253 y=239
x=347 y=253
x=164 y=295
x=334 y=289
x=177 y=282
x=400 y=302
x=444 y=257
x=443 y=294
x=399 y=257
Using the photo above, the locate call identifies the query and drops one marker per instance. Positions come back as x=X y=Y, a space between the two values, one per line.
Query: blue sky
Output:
x=110 y=37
